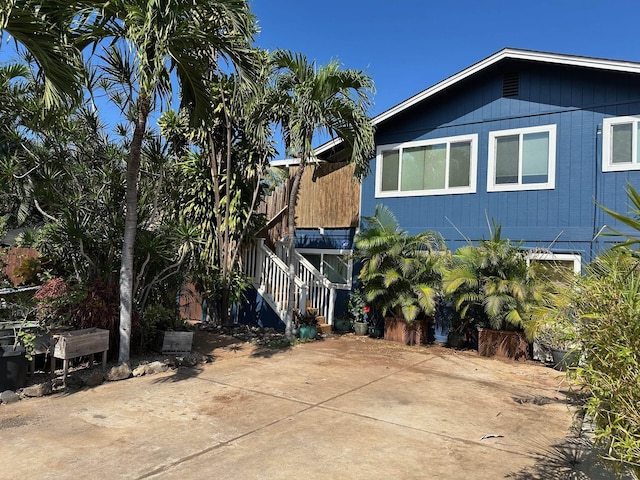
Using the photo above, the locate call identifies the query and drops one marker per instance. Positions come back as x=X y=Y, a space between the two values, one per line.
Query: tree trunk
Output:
x=293 y=200
x=130 y=227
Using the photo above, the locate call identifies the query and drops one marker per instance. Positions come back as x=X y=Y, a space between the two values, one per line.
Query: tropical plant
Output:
x=221 y=170
x=307 y=100
x=401 y=274
x=491 y=283
x=187 y=37
x=608 y=312
x=553 y=322
x=356 y=303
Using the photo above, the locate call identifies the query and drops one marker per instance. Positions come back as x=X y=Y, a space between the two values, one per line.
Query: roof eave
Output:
x=505 y=53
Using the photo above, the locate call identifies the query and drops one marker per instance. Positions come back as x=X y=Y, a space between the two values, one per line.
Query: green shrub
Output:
x=609 y=332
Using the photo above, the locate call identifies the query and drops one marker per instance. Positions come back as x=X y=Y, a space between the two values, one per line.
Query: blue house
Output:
x=533 y=140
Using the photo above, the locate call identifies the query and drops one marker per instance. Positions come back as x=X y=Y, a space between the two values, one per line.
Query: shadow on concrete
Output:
x=571 y=459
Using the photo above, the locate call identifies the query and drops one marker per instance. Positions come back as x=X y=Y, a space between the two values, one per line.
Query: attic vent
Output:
x=510 y=85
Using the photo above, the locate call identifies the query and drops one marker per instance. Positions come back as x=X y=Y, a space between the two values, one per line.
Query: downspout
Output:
x=595 y=233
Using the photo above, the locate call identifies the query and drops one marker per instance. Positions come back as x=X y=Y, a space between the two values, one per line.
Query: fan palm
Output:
x=307 y=100
x=492 y=281
x=401 y=274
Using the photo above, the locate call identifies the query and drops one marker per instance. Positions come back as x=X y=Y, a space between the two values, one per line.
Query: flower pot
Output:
x=307 y=332
x=456 y=340
x=563 y=359
x=375 y=332
x=342 y=324
x=503 y=343
x=361 y=328
x=398 y=330
x=13 y=367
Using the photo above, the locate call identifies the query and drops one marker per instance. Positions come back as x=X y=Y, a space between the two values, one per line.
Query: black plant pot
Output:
x=456 y=340
x=13 y=367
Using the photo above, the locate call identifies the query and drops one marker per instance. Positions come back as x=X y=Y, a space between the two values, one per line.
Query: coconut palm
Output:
x=308 y=100
x=188 y=37
x=491 y=281
x=401 y=274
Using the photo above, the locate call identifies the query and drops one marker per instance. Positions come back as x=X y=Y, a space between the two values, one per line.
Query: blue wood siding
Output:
x=564 y=219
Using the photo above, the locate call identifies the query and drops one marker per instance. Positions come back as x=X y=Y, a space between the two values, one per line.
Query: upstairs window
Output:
x=430 y=167
x=522 y=159
x=620 y=144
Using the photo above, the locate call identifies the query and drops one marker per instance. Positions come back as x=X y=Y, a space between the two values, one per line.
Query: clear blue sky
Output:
x=409 y=45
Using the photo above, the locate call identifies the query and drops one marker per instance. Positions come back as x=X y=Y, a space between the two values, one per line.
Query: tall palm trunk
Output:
x=293 y=200
x=130 y=227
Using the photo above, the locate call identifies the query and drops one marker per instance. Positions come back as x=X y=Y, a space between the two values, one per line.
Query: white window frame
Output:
x=557 y=257
x=473 y=167
x=607 y=166
x=331 y=251
x=550 y=184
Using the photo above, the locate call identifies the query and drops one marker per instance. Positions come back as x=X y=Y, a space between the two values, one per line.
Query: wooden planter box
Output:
x=397 y=330
x=78 y=343
x=176 y=343
x=503 y=343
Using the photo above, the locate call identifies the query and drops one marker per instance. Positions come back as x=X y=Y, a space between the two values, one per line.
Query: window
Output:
x=555 y=267
x=430 y=167
x=522 y=159
x=620 y=144
x=336 y=265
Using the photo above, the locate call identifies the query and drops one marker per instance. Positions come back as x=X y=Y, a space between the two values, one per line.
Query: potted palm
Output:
x=358 y=310
x=401 y=275
x=306 y=323
x=491 y=286
x=553 y=325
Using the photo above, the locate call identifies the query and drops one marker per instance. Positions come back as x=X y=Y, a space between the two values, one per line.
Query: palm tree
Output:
x=182 y=36
x=188 y=37
x=492 y=283
x=401 y=274
x=307 y=100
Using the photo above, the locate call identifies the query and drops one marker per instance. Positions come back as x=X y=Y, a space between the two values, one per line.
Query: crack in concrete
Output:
x=322 y=406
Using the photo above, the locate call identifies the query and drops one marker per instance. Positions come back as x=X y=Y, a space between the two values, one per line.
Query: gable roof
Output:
x=504 y=54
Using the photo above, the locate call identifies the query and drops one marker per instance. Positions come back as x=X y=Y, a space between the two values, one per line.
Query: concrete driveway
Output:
x=341 y=408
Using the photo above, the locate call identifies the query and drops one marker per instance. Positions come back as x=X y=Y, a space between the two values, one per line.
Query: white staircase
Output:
x=270 y=276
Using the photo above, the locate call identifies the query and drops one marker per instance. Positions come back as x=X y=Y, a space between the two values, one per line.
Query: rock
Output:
x=120 y=372
x=74 y=380
x=139 y=371
x=9 y=396
x=155 y=367
x=39 y=390
x=94 y=379
x=192 y=360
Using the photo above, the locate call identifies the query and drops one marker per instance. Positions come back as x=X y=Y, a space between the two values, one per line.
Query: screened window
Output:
x=522 y=159
x=620 y=139
x=433 y=167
